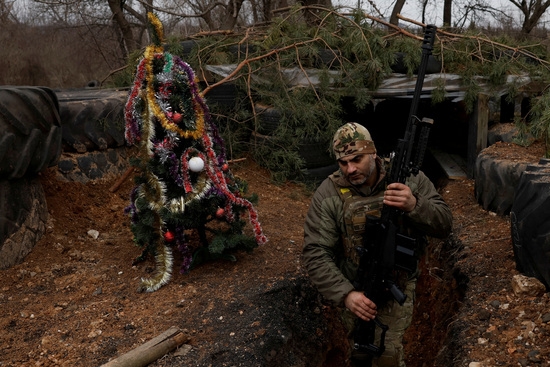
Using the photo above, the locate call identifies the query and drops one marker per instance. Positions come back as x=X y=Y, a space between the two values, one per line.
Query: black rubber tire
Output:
x=92 y=119
x=30 y=130
x=187 y=47
x=530 y=222
x=241 y=52
x=23 y=217
x=496 y=181
x=316 y=154
x=314 y=176
x=328 y=58
x=224 y=96
x=269 y=118
x=94 y=165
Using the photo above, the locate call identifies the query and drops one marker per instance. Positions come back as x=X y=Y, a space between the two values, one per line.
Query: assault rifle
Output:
x=384 y=249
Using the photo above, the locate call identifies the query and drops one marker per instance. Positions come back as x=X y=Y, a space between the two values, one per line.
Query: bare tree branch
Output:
x=395 y=27
x=532 y=11
x=208 y=9
x=483 y=39
x=376 y=8
x=134 y=13
x=251 y=60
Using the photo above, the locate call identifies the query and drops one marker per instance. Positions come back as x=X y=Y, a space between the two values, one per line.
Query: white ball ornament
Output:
x=196 y=164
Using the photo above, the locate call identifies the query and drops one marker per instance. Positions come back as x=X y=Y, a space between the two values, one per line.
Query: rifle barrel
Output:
x=427 y=47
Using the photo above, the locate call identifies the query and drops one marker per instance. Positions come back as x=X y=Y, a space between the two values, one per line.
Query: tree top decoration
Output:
x=184 y=184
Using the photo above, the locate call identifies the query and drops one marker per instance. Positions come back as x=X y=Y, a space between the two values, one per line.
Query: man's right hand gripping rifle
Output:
x=385 y=249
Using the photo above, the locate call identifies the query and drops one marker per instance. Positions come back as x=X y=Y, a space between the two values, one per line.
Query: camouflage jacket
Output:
x=324 y=255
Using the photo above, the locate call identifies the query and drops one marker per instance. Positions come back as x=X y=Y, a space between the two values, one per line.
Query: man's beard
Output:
x=361 y=180
x=358 y=181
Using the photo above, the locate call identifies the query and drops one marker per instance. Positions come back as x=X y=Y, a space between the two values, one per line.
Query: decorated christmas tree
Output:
x=186 y=197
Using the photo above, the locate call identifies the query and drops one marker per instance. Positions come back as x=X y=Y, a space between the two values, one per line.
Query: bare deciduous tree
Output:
x=532 y=11
x=471 y=12
x=6 y=12
x=128 y=42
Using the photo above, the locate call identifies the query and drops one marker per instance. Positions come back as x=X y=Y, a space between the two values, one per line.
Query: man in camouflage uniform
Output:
x=334 y=228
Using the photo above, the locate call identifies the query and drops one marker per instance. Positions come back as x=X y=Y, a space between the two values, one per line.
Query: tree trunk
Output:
x=129 y=43
x=532 y=12
x=268 y=11
x=233 y=8
x=532 y=20
x=447 y=6
x=396 y=10
x=311 y=14
x=207 y=18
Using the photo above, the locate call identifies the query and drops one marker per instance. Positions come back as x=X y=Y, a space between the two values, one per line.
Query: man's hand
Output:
x=399 y=196
x=360 y=305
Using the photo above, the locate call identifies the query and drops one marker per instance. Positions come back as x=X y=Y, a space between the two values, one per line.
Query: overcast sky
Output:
x=434 y=13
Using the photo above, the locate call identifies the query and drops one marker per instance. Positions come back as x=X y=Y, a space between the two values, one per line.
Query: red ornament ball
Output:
x=225 y=167
x=220 y=212
x=177 y=117
x=169 y=236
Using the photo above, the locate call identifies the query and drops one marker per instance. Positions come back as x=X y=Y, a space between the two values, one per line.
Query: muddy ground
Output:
x=73 y=301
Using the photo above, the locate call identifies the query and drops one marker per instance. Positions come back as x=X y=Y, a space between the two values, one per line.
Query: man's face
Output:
x=357 y=168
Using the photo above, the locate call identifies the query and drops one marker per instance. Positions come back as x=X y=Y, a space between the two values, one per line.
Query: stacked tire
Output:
x=495 y=182
x=92 y=119
x=92 y=122
x=318 y=162
x=30 y=141
x=530 y=222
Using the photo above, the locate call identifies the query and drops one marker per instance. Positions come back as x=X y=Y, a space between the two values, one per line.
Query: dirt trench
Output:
x=73 y=300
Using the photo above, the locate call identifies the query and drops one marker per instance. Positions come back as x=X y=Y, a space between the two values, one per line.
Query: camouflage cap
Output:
x=352 y=139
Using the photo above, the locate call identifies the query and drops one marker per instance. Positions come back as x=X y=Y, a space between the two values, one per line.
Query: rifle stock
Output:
x=384 y=249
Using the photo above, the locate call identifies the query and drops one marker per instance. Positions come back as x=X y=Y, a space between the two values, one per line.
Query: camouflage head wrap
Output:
x=352 y=139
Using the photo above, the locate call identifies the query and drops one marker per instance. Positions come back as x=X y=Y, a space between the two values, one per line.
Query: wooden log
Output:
x=124 y=177
x=151 y=350
x=477 y=132
x=236 y=160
